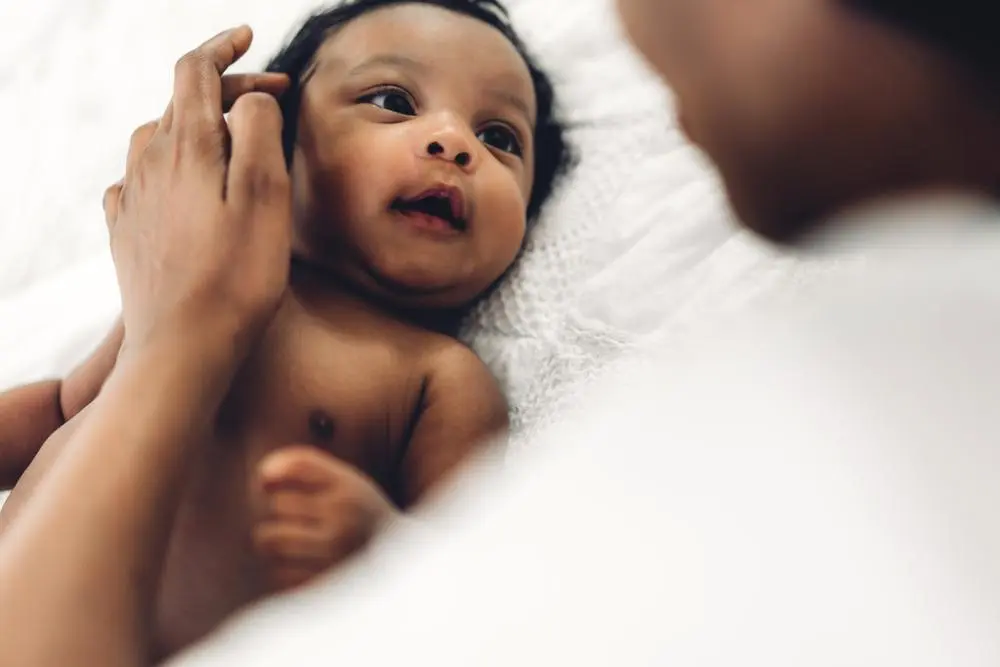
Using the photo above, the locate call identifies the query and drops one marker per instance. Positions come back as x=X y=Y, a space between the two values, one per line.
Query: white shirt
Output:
x=816 y=487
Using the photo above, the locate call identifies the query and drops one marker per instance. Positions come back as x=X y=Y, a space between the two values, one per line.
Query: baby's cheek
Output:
x=505 y=205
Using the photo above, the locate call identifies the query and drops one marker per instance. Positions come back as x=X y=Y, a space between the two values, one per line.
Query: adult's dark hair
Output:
x=552 y=154
x=966 y=29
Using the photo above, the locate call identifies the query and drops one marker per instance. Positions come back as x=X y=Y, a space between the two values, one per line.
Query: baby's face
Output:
x=414 y=159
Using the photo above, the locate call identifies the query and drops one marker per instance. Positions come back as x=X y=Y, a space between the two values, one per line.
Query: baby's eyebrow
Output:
x=388 y=59
x=514 y=101
x=379 y=60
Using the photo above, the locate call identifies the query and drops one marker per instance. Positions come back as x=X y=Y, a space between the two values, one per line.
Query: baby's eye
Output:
x=502 y=138
x=391 y=99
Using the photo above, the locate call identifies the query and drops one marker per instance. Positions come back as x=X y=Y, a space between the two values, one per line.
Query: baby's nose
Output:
x=461 y=158
x=452 y=143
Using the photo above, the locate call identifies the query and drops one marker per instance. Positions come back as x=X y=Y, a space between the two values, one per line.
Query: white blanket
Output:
x=815 y=488
x=638 y=243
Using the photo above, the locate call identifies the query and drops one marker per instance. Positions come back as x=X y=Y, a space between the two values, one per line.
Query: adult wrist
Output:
x=212 y=354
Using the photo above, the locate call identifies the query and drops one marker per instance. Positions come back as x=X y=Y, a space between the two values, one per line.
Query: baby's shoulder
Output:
x=443 y=354
x=456 y=374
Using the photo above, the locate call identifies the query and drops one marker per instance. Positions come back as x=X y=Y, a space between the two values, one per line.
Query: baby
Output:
x=421 y=140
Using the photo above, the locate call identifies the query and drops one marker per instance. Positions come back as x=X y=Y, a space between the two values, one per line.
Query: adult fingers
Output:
x=137 y=146
x=112 y=201
x=258 y=174
x=235 y=86
x=197 y=94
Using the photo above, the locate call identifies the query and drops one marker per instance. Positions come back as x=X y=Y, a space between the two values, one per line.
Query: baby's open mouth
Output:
x=439 y=204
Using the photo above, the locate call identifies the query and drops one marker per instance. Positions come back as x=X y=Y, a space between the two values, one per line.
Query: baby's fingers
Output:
x=309 y=508
x=285 y=577
x=307 y=545
x=292 y=542
x=301 y=468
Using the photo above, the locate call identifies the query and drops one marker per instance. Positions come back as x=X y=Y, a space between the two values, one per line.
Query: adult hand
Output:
x=234 y=86
x=200 y=227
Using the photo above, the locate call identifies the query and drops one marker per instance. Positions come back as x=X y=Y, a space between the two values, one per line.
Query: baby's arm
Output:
x=30 y=414
x=462 y=409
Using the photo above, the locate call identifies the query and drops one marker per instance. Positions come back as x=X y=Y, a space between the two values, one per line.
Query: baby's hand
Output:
x=318 y=511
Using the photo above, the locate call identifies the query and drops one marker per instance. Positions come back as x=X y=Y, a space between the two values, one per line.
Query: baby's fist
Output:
x=318 y=511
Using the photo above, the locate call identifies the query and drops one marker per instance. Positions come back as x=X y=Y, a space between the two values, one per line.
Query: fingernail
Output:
x=225 y=34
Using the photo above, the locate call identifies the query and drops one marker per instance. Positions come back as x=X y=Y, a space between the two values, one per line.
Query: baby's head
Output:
x=422 y=140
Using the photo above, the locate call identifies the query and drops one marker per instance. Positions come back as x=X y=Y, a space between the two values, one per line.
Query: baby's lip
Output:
x=453 y=194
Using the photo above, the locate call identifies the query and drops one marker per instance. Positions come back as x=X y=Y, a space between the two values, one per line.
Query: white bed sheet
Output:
x=638 y=244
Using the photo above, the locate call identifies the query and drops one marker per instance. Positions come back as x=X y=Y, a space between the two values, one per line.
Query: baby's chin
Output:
x=405 y=293
x=408 y=288
x=412 y=293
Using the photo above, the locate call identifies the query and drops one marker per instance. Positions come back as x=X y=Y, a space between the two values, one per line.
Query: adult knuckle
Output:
x=265 y=185
x=111 y=203
x=206 y=141
x=191 y=62
x=141 y=176
x=199 y=137
x=136 y=136
x=255 y=105
x=140 y=134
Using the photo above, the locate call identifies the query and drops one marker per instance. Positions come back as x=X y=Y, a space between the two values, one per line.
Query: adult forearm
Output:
x=80 y=567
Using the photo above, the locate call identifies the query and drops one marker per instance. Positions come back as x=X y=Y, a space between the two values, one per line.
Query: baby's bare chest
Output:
x=351 y=391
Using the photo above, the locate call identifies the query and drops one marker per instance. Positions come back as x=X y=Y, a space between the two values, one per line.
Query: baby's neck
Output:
x=314 y=283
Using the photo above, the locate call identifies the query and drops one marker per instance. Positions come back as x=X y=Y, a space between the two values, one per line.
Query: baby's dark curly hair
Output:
x=552 y=154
